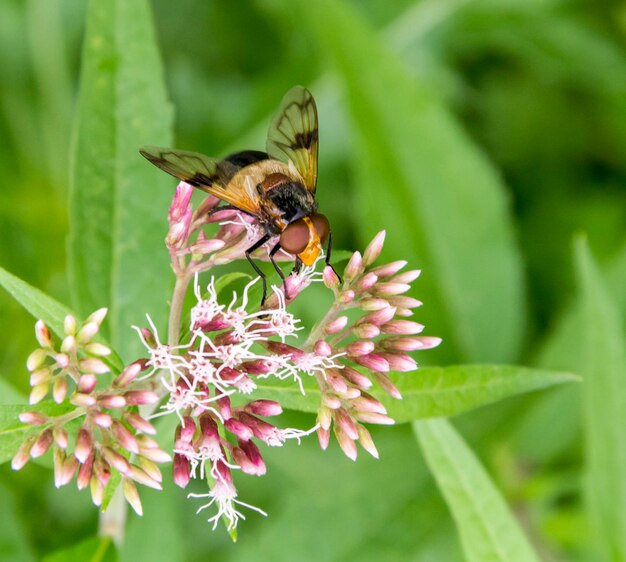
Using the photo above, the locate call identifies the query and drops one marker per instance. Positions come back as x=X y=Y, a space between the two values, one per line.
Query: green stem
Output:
x=176 y=308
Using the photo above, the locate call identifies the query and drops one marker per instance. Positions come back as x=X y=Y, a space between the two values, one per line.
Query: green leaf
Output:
x=95 y=549
x=13 y=431
x=432 y=391
x=119 y=203
x=604 y=405
x=9 y=394
x=421 y=176
x=44 y=307
x=485 y=524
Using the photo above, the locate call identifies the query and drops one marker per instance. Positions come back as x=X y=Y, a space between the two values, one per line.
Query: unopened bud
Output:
x=88 y=331
x=60 y=437
x=36 y=359
x=69 y=325
x=32 y=418
x=42 y=444
x=373 y=362
x=360 y=347
x=112 y=401
x=347 y=444
x=40 y=376
x=373 y=417
x=82 y=449
x=140 y=424
x=84 y=400
x=366 y=331
x=140 y=397
x=97 y=317
x=87 y=383
x=102 y=419
x=23 y=453
x=38 y=393
x=330 y=277
x=98 y=349
x=126 y=439
x=322 y=348
x=43 y=335
x=93 y=365
x=132 y=496
x=354 y=267
x=373 y=250
x=266 y=408
x=323 y=436
x=180 y=471
x=367 y=282
x=336 y=325
x=68 y=345
x=366 y=441
x=129 y=373
x=97 y=491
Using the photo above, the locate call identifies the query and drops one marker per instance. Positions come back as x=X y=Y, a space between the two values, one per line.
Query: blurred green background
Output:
x=530 y=94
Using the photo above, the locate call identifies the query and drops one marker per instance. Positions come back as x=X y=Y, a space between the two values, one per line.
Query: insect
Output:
x=276 y=187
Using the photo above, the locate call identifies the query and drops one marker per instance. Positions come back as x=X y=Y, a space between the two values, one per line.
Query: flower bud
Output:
x=83 y=446
x=203 y=246
x=126 y=439
x=139 y=475
x=102 y=471
x=86 y=384
x=156 y=455
x=354 y=267
x=373 y=250
x=373 y=303
x=366 y=441
x=366 y=282
x=333 y=402
x=428 y=342
x=367 y=403
x=69 y=325
x=93 y=365
x=129 y=373
x=407 y=276
x=322 y=348
x=346 y=424
x=97 y=349
x=23 y=453
x=85 y=472
x=385 y=382
x=180 y=470
x=239 y=429
x=97 y=317
x=346 y=443
x=140 y=397
x=403 y=301
x=132 y=496
x=60 y=437
x=330 y=277
x=102 y=419
x=140 y=424
x=373 y=417
x=389 y=269
x=32 y=418
x=43 y=335
x=336 y=382
x=40 y=376
x=373 y=362
x=38 y=393
x=360 y=347
x=36 y=359
x=42 y=444
x=68 y=345
x=97 y=491
x=67 y=471
x=117 y=461
x=400 y=362
x=150 y=468
x=112 y=401
x=356 y=378
x=366 y=331
x=266 y=408
x=346 y=297
x=62 y=360
x=387 y=289
x=324 y=417
x=378 y=317
x=323 y=436
x=254 y=456
x=88 y=331
x=336 y=325
x=84 y=400
x=401 y=344
x=402 y=328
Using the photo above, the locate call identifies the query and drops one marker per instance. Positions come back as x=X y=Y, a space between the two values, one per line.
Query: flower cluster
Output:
x=208 y=370
x=110 y=430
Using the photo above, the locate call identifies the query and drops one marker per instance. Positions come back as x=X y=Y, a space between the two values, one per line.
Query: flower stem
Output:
x=176 y=308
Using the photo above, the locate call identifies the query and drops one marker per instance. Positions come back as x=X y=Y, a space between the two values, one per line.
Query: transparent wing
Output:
x=208 y=174
x=293 y=134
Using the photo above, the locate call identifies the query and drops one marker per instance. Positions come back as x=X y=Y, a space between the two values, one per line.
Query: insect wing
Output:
x=208 y=174
x=293 y=134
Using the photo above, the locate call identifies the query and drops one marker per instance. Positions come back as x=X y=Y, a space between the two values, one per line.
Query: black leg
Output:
x=297 y=266
x=329 y=248
x=278 y=269
x=227 y=208
x=251 y=249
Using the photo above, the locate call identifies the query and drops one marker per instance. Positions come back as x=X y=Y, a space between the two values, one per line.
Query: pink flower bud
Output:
x=366 y=441
x=156 y=455
x=404 y=312
x=373 y=250
x=62 y=360
x=366 y=282
x=93 y=365
x=266 y=408
x=85 y=471
x=204 y=246
x=38 y=393
x=224 y=405
x=347 y=445
x=58 y=458
x=87 y=383
x=373 y=362
x=284 y=349
x=36 y=359
x=42 y=444
x=322 y=348
x=373 y=417
x=181 y=202
x=43 y=335
x=330 y=277
x=148 y=337
x=239 y=429
x=402 y=328
x=126 y=439
x=179 y=232
x=180 y=471
x=336 y=382
x=378 y=317
x=140 y=476
x=59 y=389
x=385 y=382
x=360 y=347
x=257 y=367
x=98 y=349
x=346 y=424
x=68 y=345
x=389 y=269
x=324 y=417
x=249 y=458
x=23 y=453
x=102 y=471
x=346 y=297
x=367 y=403
x=354 y=267
x=402 y=301
x=32 y=418
x=356 y=378
x=336 y=325
x=97 y=317
x=186 y=430
x=112 y=401
x=150 y=468
x=83 y=446
x=97 y=491
x=60 y=437
x=366 y=331
x=84 y=400
x=387 y=289
x=132 y=496
x=140 y=424
x=350 y=393
x=129 y=373
x=323 y=436
x=88 y=331
x=140 y=397
x=373 y=303
x=428 y=342
x=333 y=402
x=407 y=276
x=117 y=461
x=400 y=362
x=146 y=442
x=69 y=325
x=102 y=419
x=66 y=472
x=40 y=376
x=401 y=344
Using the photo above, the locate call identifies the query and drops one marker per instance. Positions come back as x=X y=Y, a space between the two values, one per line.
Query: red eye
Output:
x=322 y=226
x=295 y=238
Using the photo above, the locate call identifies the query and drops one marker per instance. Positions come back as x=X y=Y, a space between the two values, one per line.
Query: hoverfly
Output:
x=276 y=187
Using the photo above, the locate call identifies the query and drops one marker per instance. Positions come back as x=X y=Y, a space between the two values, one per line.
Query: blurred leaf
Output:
x=604 y=406
x=14 y=543
x=95 y=549
x=432 y=391
x=487 y=528
x=118 y=202
x=13 y=431
x=9 y=394
x=418 y=171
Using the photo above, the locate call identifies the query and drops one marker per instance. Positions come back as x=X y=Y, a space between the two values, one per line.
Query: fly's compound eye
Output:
x=295 y=238
x=322 y=226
